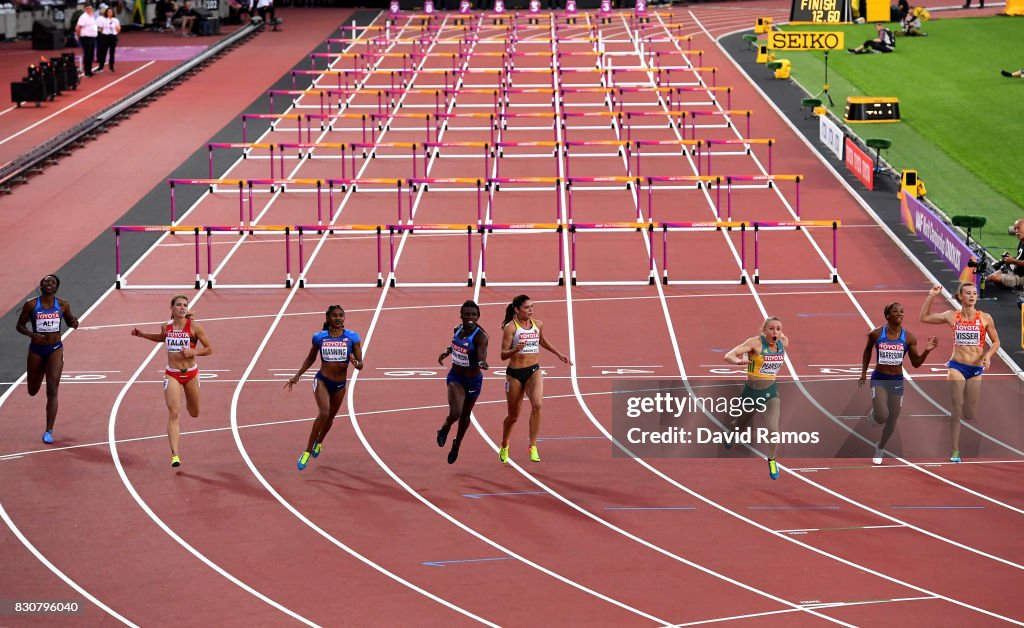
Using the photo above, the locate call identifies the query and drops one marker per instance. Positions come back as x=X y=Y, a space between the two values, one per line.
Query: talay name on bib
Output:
x=177 y=341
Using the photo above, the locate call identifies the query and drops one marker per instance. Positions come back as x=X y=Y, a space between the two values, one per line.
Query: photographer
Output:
x=1010 y=270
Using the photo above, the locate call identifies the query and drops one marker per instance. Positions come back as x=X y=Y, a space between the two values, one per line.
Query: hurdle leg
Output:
x=117 y=258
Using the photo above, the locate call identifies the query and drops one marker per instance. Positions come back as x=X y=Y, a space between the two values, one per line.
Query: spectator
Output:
x=164 y=14
x=885 y=42
x=109 y=26
x=188 y=16
x=86 y=31
x=1010 y=271
x=266 y=8
x=902 y=10
x=911 y=22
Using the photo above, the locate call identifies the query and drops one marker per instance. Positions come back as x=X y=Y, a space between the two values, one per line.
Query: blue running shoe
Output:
x=48 y=437
x=303 y=460
x=955 y=456
x=317 y=449
x=773 y=469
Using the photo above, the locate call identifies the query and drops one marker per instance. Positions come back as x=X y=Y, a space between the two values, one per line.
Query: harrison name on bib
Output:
x=890 y=353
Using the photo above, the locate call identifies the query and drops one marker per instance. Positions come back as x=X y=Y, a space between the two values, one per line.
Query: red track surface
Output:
x=564 y=546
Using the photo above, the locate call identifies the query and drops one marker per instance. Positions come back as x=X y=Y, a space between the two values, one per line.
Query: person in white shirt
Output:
x=108 y=26
x=86 y=32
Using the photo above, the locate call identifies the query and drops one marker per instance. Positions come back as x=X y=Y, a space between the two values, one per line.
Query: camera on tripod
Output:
x=980 y=263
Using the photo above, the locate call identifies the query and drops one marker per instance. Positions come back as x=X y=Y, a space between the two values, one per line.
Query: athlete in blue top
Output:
x=890 y=343
x=46 y=351
x=337 y=347
x=465 y=379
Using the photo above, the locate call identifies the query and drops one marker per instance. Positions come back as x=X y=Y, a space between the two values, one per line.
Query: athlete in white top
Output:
x=521 y=340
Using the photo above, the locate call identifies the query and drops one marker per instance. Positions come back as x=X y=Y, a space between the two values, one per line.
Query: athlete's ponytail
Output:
x=327 y=315
x=510 y=309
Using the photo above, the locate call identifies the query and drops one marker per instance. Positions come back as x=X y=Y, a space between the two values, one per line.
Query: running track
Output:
x=376 y=529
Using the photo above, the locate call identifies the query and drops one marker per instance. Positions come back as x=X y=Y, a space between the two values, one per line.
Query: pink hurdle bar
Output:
x=210 y=183
x=118 y=229
x=491 y=227
x=245 y=153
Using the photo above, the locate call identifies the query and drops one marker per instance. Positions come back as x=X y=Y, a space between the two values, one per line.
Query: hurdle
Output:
x=369 y=151
x=521 y=228
x=632 y=184
x=746 y=143
x=554 y=148
x=666 y=227
x=622 y=148
x=295 y=95
x=246 y=148
x=789 y=225
x=212 y=185
x=274 y=117
x=431 y=229
x=383 y=123
x=321 y=230
x=309 y=148
x=611 y=227
x=480 y=184
x=726 y=114
x=682 y=150
x=286 y=230
x=676 y=103
x=676 y=182
x=768 y=181
x=494 y=185
x=119 y=280
x=281 y=185
x=344 y=185
x=433 y=149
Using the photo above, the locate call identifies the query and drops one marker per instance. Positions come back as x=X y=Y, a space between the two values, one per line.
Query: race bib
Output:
x=47 y=322
x=890 y=354
x=460 y=355
x=334 y=351
x=967 y=336
x=177 y=341
x=772 y=364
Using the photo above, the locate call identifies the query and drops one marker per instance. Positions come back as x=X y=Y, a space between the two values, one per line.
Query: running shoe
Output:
x=48 y=437
x=773 y=469
x=303 y=460
x=503 y=455
x=175 y=461
x=317 y=448
x=534 y=456
x=453 y=455
x=955 y=456
x=442 y=435
x=878 y=456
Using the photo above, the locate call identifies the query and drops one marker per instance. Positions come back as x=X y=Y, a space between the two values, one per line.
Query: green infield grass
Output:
x=962 y=123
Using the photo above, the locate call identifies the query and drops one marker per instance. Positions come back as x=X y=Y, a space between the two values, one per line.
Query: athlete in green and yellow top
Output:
x=763 y=355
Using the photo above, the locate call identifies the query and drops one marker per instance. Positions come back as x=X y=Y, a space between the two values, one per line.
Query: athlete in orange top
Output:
x=180 y=334
x=969 y=359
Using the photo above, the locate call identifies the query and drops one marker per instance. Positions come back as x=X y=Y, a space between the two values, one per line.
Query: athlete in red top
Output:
x=180 y=334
